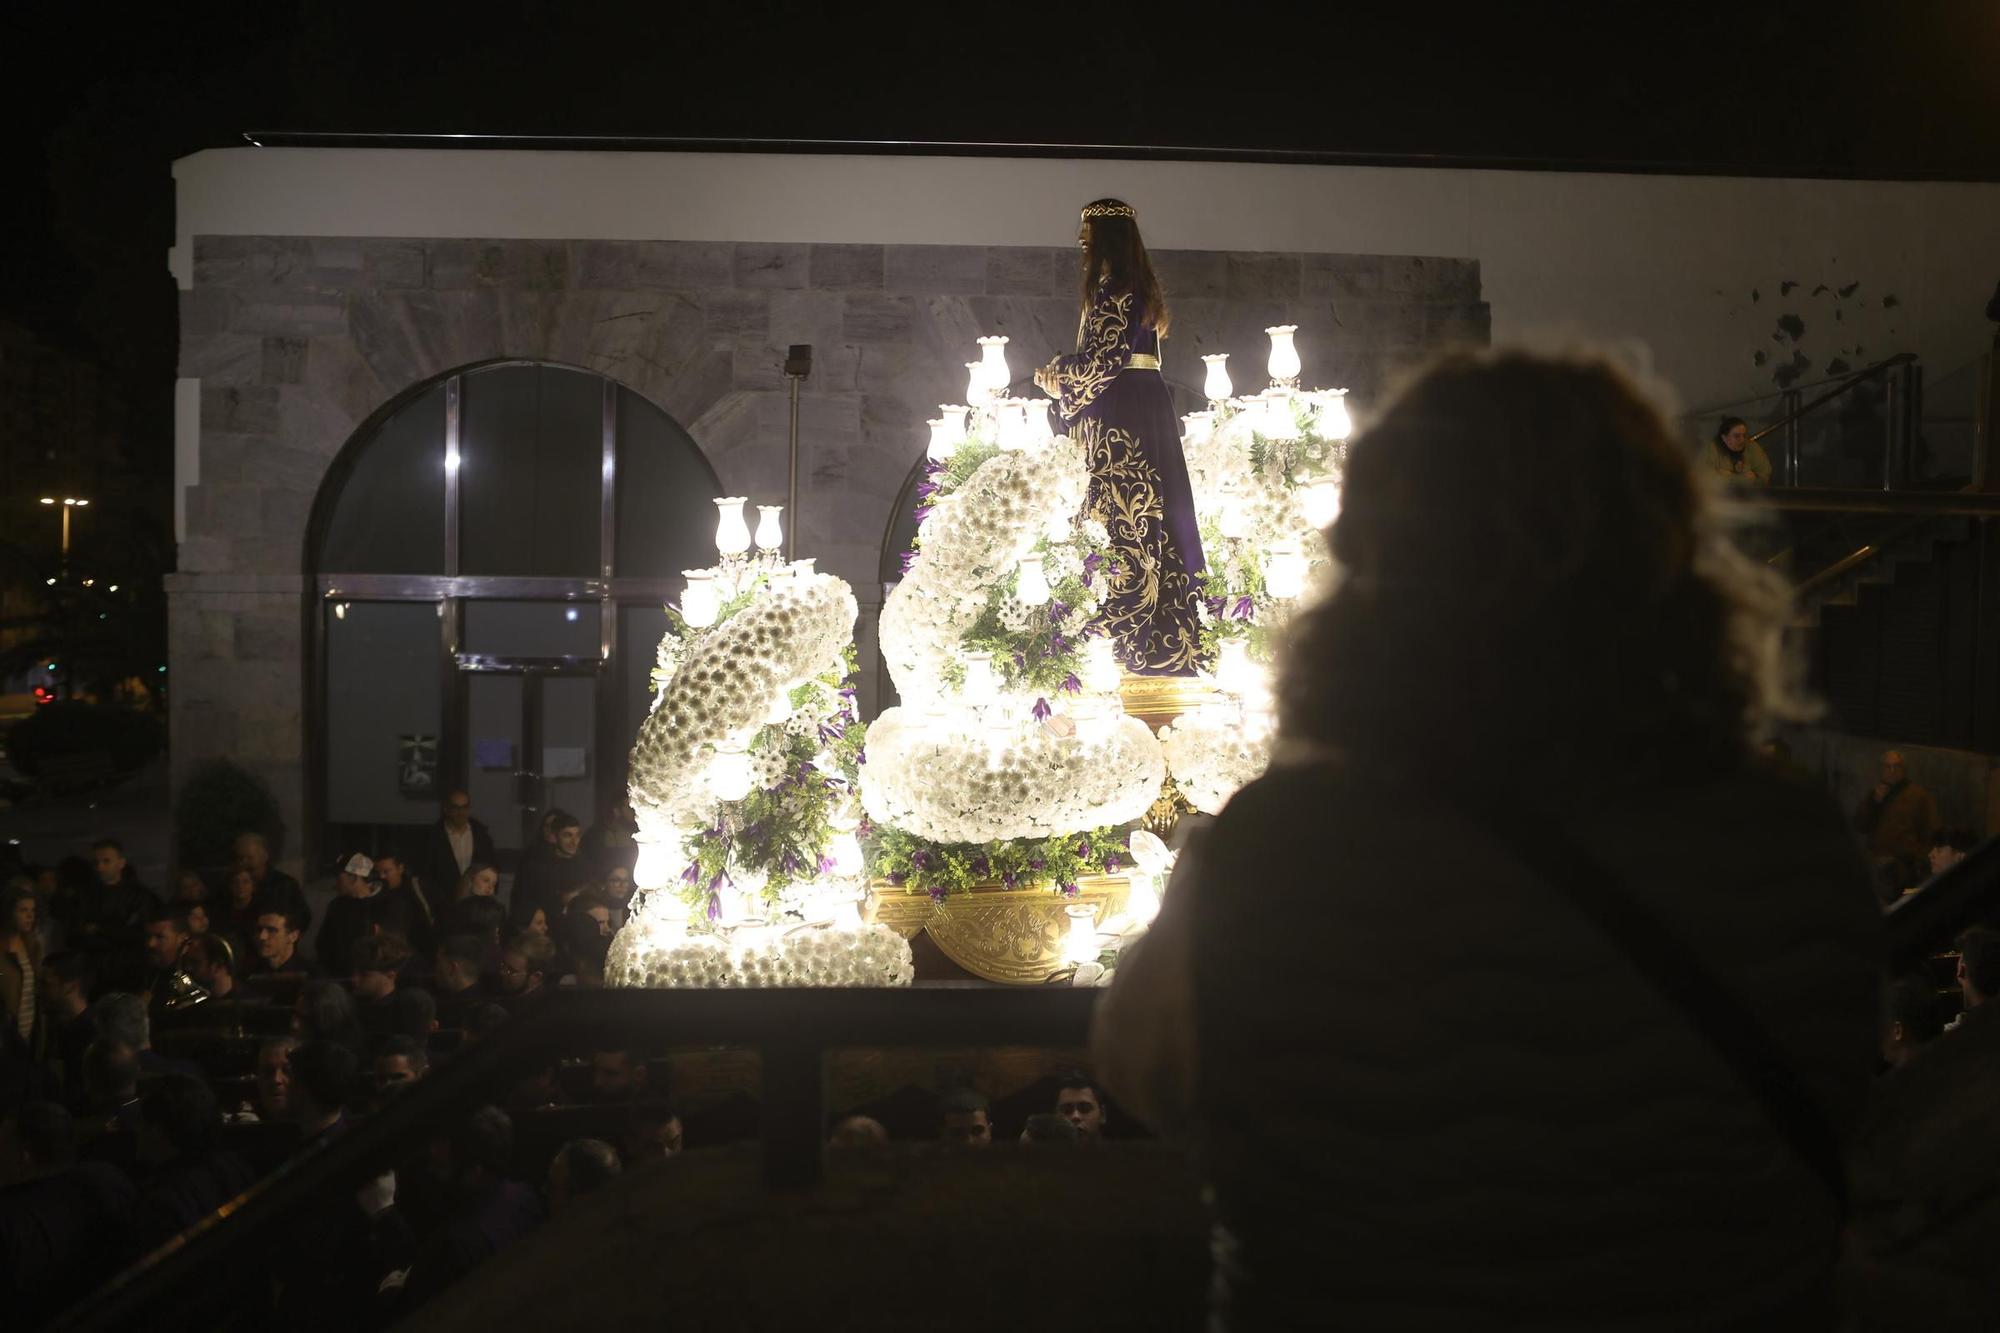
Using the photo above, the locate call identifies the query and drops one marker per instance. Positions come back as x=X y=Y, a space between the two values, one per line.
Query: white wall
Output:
x=1667 y=260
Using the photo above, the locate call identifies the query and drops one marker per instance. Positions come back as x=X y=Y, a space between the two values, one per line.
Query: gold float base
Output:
x=1158 y=700
x=1012 y=936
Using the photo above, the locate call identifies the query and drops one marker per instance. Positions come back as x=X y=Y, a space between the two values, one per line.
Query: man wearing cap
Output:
x=348 y=917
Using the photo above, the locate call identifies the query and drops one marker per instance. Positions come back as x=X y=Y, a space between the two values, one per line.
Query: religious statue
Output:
x=1114 y=402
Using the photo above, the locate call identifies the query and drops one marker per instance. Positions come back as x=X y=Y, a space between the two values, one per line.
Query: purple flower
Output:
x=861 y=756
x=1042 y=710
x=1058 y=645
x=1245 y=609
x=1057 y=610
x=926 y=489
x=1091 y=564
x=826 y=865
x=1036 y=863
x=897 y=879
x=982 y=867
x=1113 y=861
x=1007 y=878
x=1217 y=606
x=1113 y=570
x=791 y=865
x=920 y=860
x=932 y=467
x=1069 y=890
x=714 y=905
x=692 y=874
x=833 y=730
x=907 y=558
x=715 y=885
x=937 y=893
x=1071 y=685
x=864 y=829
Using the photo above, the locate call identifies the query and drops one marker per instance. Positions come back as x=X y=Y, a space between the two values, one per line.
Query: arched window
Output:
x=490 y=554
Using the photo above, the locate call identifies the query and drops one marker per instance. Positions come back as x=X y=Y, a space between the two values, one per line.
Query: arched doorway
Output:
x=488 y=560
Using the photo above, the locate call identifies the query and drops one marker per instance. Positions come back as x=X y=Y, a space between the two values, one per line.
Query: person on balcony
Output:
x=1898 y=817
x=1734 y=455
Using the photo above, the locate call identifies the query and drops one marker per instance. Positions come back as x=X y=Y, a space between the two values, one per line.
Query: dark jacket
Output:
x=346 y=921
x=60 y=1237
x=1901 y=824
x=1431 y=1095
x=542 y=881
x=431 y=857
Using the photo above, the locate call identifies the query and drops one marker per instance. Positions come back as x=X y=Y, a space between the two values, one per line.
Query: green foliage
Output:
x=125 y=738
x=941 y=869
x=218 y=801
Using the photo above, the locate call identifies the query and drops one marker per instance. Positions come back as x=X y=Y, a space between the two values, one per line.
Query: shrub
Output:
x=125 y=737
x=218 y=801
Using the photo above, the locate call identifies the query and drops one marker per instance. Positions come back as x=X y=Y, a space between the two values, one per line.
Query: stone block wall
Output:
x=298 y=340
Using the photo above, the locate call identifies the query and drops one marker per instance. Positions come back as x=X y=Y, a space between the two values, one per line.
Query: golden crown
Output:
x=1109 y=211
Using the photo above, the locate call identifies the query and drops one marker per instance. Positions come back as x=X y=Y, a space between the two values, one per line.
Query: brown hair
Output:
x=1527 y=565
x=1114 y=256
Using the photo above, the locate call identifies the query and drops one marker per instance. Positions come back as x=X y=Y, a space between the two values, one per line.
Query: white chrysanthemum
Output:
x=727 y=683
x=1212 y=757
x=950 y=786
x=970 y=541
x=871 y=956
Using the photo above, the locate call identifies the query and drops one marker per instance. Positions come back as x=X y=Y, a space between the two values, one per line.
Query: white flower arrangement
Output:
x=947 y=784
x=971 y=540
x=1212 y=753
x=669 y=958
x=727 y=683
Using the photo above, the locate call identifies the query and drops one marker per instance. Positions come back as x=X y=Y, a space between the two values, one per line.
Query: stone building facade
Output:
x=298 y=341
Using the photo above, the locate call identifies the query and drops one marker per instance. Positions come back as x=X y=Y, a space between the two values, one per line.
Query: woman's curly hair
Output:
x=1533 y=585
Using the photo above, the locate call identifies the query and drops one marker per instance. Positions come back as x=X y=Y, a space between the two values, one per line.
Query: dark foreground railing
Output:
x=1926 y=922
x=791 y=1029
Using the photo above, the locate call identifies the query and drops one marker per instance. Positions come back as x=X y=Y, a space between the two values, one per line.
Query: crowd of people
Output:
x=161 y=1052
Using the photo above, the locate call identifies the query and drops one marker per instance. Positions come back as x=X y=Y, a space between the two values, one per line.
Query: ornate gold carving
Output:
x=1014 y=936
x=1102 y=347
x=1158 y=700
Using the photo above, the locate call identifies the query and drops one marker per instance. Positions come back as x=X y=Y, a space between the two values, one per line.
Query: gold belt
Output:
x=1140 y=361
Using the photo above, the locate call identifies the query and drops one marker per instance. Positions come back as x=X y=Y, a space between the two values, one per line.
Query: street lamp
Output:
x=69 y=504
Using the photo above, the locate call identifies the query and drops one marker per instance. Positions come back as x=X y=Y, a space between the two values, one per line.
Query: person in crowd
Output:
x=618 y=893
x=612 y=839
x=1048 y=1127
x=544 y=880
x=61 y=1220
x=189 y=1176
x=124 y=1017
x=480 y=916
x=414 y=1012
x=253 y=853
x=488 y=1209
x=965 y=1120
x=325 y=1013
x=1899 y=817
x=237 y=917
x=592 y=902
x=211 y=961
x=1949 y=847
x=399 y=885
x=110 y=1089
x=377 y=963
x=189 y=887
x=1733 y=455
x=274 y=1079
x=282 y=919
x=104 y=912
x=349 y=916
x=617 y=1076
x=167 y=937
x=524 y=965
x=464 y=962
x=859 y=1131
x=580 y=1167
x=399 y=1060
x=65 y=996
x=1909 y=1019
x=322 y=1085
x=196 y=917
x=652 y=1133
x=536 y=924
x=21 y=1022
x=1077 y=1102
x=453 y=845
x=1552 y=1135
x=1978 y=968
x=480 y=880
x=581 y=950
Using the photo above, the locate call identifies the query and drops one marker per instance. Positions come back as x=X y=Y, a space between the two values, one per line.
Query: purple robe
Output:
x=1123 y=415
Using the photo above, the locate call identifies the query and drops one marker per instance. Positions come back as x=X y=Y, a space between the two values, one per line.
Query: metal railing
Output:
x=792 y=1030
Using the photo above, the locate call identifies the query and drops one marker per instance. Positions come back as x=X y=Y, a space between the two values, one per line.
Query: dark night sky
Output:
x=98 y=106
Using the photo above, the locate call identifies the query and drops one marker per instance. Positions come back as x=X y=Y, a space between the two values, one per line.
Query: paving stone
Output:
x=845 y=267
x=757 y=265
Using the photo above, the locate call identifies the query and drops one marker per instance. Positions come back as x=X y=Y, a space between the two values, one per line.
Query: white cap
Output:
x=359 y=866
